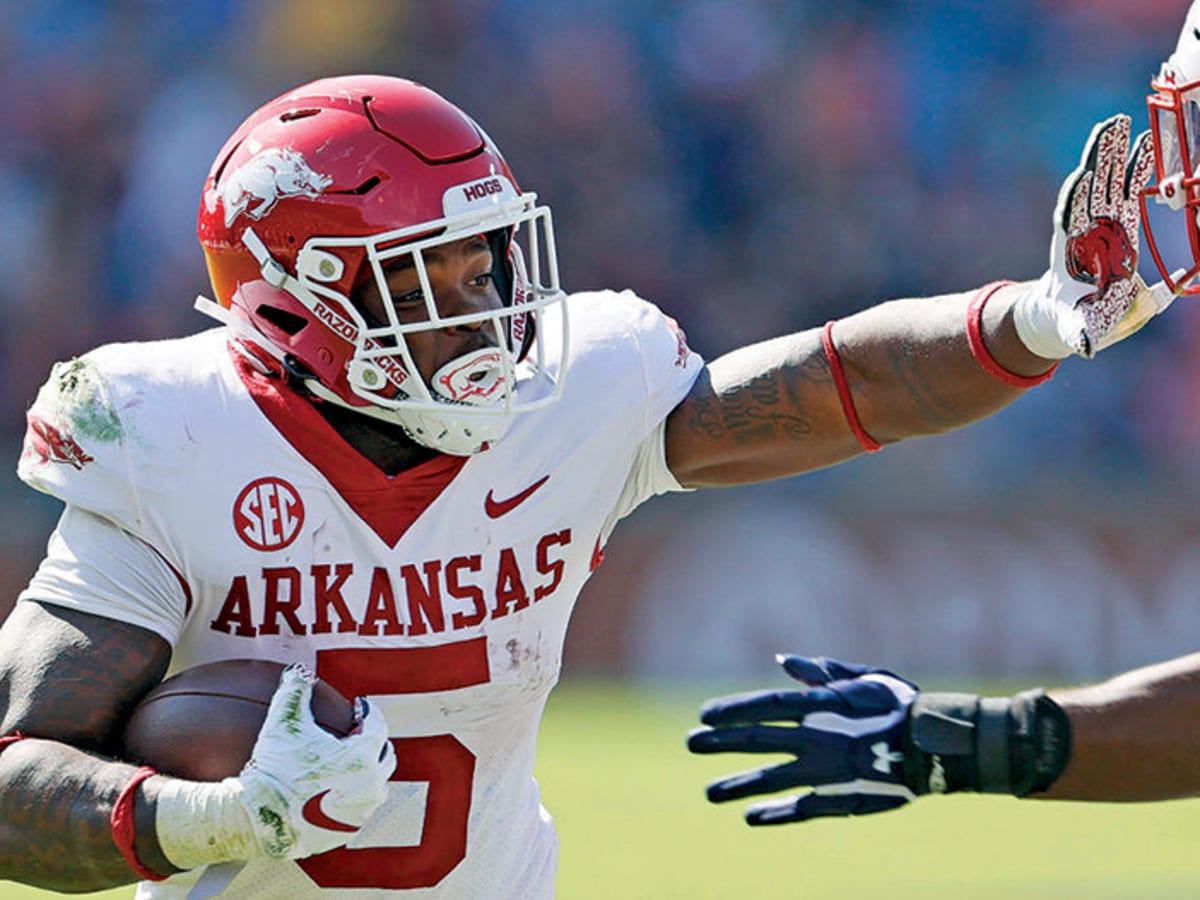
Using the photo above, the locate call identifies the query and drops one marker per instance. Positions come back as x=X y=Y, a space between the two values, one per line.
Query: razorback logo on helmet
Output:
x=268 y=514
x=49 y=445
x=266 y=179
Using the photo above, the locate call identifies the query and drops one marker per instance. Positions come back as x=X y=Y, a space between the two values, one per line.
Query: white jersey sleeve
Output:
x=93 y=566
x=75 y=444
x=648 y=477
x=669 y=368
x=92 y=442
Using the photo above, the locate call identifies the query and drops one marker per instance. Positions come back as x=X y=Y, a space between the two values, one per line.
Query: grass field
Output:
x=633 y=823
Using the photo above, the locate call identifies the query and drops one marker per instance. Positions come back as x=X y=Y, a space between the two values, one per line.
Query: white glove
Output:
x=304 y=790
x=1091 y=296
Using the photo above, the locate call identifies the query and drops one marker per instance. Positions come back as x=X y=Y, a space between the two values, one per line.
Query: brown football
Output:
x=202 y=722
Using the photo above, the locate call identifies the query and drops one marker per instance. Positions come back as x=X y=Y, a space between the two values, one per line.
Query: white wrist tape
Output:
x=200 y=823
x=1036 y=320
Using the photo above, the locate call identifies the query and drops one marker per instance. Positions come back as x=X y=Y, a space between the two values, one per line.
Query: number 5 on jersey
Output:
x=439 y=760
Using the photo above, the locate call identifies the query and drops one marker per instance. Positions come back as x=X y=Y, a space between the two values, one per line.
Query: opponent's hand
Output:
x=848 y=733
x=306 y=790
x=866 y=740
x=1091 y=296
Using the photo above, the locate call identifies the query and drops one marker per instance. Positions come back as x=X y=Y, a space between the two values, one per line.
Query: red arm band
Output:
x=980 y=351
x=123 y=826
x=843 y=389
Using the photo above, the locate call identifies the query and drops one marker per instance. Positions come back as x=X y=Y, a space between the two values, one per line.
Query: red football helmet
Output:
x=321 y=189
x=1175 y=122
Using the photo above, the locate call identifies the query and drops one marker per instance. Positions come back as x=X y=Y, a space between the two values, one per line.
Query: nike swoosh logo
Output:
x=314 y=815
x=497 y=508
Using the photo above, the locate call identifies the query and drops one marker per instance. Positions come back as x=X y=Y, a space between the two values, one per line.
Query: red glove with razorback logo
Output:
x=1091 y=296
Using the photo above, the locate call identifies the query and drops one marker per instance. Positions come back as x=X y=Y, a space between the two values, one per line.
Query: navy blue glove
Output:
x=865 y=740
x=847 y=734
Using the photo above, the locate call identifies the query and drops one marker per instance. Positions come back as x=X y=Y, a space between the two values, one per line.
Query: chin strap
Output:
x=247 y=341
x=318 y=390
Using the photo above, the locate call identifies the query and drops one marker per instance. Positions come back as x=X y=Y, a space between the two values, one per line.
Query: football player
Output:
x=395 y=464
x=865 y=740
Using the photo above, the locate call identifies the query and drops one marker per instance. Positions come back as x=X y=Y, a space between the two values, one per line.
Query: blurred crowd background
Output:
x=754 y=167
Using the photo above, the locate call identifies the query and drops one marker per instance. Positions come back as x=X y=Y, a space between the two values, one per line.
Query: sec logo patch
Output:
x=268 y=514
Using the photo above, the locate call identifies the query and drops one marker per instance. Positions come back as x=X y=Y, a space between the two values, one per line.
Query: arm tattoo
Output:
x=927 y=393
x=768 y=406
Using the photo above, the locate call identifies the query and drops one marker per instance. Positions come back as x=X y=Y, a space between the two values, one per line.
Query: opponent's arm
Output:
x=926 y=365
x=863 y=740
x=1135 y=736
x=67 y=681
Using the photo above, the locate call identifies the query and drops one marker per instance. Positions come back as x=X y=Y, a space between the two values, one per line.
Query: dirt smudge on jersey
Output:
x=79 y=399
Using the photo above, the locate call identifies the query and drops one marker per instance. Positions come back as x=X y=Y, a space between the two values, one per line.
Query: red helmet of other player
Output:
x=1175 y=122
x=319 y=192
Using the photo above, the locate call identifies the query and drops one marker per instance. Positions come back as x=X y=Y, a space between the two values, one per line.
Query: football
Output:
x=201 y=723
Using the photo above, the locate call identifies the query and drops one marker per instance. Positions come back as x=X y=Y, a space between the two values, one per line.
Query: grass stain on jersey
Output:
x=78 y=398
x=278 y=835
x=293 y=719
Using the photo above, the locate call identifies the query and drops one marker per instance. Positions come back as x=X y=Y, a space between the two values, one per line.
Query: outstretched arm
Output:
x=772 y=409
x=926 y=365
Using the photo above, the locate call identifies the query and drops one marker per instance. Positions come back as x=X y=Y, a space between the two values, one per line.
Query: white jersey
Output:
x=247 y=528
